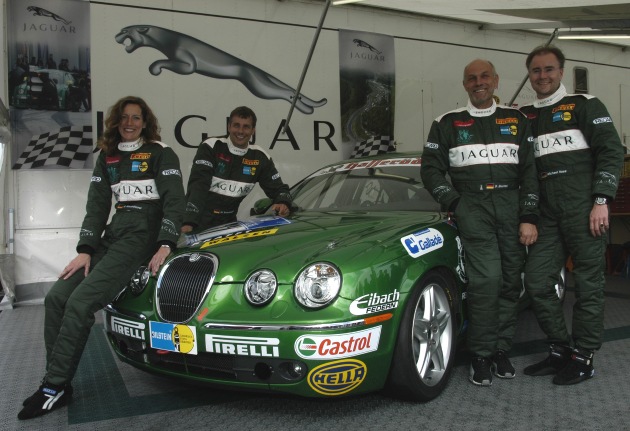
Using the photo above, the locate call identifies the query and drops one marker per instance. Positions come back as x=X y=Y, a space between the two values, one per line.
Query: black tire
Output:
x=425 y=348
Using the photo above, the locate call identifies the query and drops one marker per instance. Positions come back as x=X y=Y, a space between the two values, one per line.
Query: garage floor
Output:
x=110 y=395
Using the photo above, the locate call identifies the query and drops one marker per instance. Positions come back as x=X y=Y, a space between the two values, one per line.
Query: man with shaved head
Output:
x=493 y=195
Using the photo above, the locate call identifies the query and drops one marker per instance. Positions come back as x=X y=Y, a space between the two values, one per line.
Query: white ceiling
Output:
x=538 y=15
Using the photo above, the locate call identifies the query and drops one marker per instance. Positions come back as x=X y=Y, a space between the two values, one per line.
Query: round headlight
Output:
x=318 y=285
x=139 y=280
x=260 y=287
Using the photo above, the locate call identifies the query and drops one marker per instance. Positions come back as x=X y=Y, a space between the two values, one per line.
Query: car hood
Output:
x=286 y=245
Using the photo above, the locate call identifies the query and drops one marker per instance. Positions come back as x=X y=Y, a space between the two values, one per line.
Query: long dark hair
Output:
x=111 y=137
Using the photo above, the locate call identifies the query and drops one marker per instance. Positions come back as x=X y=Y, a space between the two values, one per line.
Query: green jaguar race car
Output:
x=361 y=288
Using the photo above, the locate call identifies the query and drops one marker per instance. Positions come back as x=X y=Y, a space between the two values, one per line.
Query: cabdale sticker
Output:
x=243 y=346
x=413 y=161
x=173 y=338
x=422 y=242
x=337 y=377
x=338 y=346
x=374 y=303
x=128 y=328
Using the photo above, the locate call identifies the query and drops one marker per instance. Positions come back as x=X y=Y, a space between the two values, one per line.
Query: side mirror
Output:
x=260 y=206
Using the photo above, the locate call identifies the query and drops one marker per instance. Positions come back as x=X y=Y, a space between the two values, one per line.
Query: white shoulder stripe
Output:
x=463 y=108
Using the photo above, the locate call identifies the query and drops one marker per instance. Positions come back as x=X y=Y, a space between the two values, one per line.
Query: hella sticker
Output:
x=422 y=242
x=337 y=377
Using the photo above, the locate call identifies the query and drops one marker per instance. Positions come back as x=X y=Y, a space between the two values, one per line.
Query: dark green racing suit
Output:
x=578 y=155
x=488 y=154
x=147 y=183
x=222 y=176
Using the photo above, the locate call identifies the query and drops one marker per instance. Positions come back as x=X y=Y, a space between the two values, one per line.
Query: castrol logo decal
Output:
x=338 y=346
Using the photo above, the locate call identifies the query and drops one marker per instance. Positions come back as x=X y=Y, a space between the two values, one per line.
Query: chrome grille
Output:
x=183 y=285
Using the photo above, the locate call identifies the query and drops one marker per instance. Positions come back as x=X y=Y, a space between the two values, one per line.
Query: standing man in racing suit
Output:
x=579 y=159
x=225 y=170
x=143 y=175
x=486 y=149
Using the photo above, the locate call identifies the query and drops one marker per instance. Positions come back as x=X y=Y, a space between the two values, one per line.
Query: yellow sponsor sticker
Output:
x=226 y=239
x=337 y=377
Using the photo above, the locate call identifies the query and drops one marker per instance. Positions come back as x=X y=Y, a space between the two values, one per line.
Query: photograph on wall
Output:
x=367 y=86
x=49 y=84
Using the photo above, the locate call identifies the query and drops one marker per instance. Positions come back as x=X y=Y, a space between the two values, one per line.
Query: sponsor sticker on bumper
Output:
x=173 y=337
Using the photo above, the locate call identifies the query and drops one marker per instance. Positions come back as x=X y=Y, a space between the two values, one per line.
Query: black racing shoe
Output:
x=47 y=398
x=480 y=371
x=68 y=390
x=558 y=358
x=579 y=368
x=502 y=366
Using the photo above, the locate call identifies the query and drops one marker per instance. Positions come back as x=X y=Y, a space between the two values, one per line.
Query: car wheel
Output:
x=561 y=290
x=425 y=348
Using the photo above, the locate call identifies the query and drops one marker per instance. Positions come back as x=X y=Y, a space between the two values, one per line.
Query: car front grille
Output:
x=183 y=285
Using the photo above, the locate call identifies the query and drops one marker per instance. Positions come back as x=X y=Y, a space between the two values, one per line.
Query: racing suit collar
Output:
x=476 y=112
x=130 y=146
x=554 y=98
x=236 y=150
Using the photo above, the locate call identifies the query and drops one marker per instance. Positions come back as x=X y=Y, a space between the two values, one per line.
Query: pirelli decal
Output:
x=480 y=154
x=567 y=107
x=140 y=156
x=507 y=120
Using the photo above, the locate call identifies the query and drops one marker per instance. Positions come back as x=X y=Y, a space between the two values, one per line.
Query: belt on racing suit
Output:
x=483 y=186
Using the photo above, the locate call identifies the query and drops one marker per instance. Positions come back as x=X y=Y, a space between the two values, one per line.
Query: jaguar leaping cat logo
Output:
x=187 y=55
x=363 y=44
x=38 y=11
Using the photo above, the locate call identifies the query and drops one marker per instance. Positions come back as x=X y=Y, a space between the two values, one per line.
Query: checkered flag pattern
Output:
x=69 y=147
x=373 y=146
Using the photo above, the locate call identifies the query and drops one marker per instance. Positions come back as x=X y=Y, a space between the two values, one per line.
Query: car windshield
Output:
x=392 y=184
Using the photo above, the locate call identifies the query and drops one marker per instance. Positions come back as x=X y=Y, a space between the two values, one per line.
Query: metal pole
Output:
x=520 y=87
x=305 y=69
x=11 y=229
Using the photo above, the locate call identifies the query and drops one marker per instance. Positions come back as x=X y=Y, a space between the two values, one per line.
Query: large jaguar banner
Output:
x=367 y=78
x=49 y=83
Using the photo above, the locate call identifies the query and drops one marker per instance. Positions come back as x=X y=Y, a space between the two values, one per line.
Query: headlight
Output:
x=318 y=285
x=260 y=287
x=139 y=280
